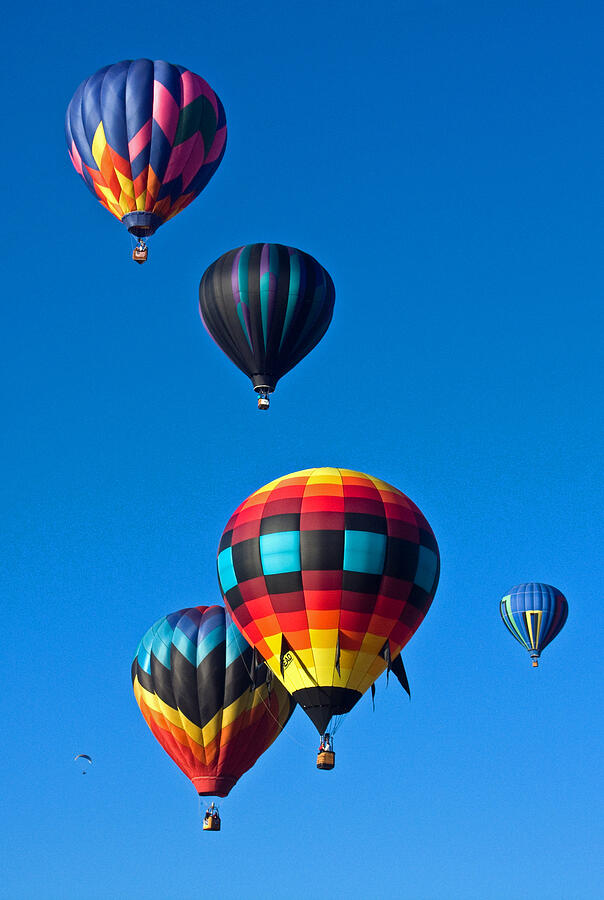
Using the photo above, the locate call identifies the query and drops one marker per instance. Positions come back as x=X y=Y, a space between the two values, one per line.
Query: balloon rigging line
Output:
x=262 y=700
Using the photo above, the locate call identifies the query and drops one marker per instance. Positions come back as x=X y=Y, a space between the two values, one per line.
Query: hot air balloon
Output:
x=328 y=573
x=266 y=306
x=212 y=708
x=146 y=137
x=85 y=757
x=534 y=614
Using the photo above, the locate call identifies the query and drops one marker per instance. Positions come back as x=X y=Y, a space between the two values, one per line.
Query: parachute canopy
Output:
x=207 y=703
x=266 y=306
x=534 y=614
x=82 y=756
x=328 y=573
x=146 y=137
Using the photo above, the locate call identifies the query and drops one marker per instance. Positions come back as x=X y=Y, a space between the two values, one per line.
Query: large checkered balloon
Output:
x=328 y=573
x=146 y=137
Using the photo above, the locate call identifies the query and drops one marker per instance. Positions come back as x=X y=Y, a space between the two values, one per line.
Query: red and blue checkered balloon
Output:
x=146 y=136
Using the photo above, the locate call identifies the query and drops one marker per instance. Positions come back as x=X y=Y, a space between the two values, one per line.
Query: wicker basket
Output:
x=326 y=759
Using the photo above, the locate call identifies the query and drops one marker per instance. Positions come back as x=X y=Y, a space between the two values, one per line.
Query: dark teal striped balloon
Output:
x=266 y=306
x=534 y=614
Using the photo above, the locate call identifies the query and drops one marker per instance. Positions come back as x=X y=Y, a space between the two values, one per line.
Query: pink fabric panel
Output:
x=140 y=140
x=217 y=145
x=180 y=157
x=193 y=86
x=76 y=159
x=165 y=110
x=195 y=161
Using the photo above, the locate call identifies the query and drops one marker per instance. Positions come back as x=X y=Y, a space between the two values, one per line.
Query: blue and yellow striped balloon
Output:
x=534 y=614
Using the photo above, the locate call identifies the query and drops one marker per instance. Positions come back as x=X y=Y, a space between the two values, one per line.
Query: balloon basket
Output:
x=326 y=759
x=211 y=820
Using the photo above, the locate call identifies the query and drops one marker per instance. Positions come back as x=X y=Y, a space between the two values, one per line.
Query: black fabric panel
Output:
x=292 y=351
x=321 y=550
x=284 y=584
x=237 y=678
x=210 y=686
x=184 y=684
x=418 y=597
x=401 y=559
x=246 y=559
x=144 y=679
x=273 y=366
x=321 y=703
x=362 y=583
x=320 y=324
x=385 y=653
x=427 y=539
x=233 y=598
x=290 y=338
x=354 y=521
x=161 y=679
x=398 y=669
x=281 y=522
x=225 y=540
x=253 y=287
x=219 y=311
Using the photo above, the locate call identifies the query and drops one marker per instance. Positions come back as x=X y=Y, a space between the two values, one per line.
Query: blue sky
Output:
x=444 y=162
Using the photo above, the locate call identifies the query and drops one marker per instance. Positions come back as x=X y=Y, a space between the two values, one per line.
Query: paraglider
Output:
x=266 y=306
x=146 y=136
x=85 y=757
x=534 y=614
x=211 y=705
x=328 y=573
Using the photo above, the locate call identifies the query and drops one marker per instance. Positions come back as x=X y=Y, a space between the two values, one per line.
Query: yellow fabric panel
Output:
x=172 y=716
x=534 y=638
x=325 y=659
x=273 y=641
x=324 y=476
x=126 y=203
x=99 y=142
x=126 y=184
x=372 y=643
x=367 y=668
x=323 y=638
x=383 y=486
x=291 y=676
x=141 y=201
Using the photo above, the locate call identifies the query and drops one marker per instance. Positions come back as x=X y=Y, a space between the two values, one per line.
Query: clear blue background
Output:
x=444 y=162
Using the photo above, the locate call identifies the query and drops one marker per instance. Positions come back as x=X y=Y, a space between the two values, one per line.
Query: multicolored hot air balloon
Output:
x=213 y=710
x=146 y=137
x=266 y=306
x=328 y=573
x=534 y=614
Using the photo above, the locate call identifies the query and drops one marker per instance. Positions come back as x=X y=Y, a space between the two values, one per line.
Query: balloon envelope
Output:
x=266 y=306
x=328 y=572
x=194 y=681
x=146 y=137
x=534 y=614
